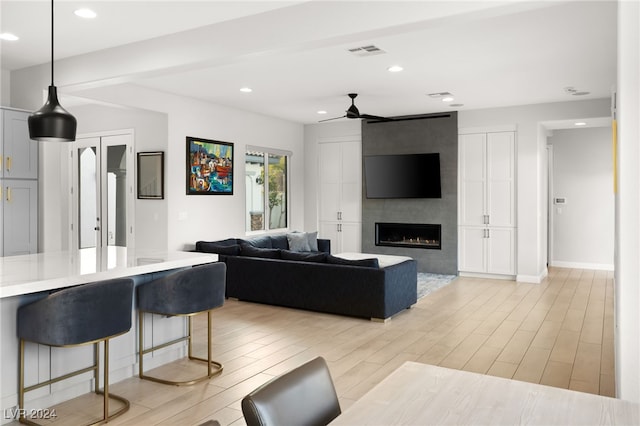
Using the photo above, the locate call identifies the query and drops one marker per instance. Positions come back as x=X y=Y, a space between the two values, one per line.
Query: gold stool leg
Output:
x=210 y=363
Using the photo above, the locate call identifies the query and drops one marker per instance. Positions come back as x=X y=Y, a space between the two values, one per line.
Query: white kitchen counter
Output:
x=34 y=273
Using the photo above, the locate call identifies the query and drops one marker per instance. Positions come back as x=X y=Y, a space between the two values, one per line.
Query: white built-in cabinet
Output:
x=487 y=202
x=340 y=193
x=19 y=185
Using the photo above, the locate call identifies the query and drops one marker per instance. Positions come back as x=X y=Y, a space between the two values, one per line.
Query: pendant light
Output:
x=52 y=122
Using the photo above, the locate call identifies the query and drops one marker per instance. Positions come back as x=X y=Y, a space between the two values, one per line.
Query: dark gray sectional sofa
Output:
x=264 y=270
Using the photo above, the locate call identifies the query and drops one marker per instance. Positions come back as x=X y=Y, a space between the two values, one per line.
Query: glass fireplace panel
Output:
x=416 y=235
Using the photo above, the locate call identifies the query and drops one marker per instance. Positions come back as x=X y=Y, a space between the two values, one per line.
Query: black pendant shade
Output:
x=52 y=122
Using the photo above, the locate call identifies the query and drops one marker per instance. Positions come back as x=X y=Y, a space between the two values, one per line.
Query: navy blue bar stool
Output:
x=184 y=293
x=82 y=315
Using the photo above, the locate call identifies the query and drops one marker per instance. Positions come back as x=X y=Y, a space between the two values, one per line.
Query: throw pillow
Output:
x=279 y=241
x=367 y=263
x=249 y=250
x=313 y=240
x=263 y=241
x=228 y=247
x=305 y=257
x=298 y=241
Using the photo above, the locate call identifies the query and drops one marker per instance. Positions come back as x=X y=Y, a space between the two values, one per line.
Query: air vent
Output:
x=369 y=50
x=440 y=95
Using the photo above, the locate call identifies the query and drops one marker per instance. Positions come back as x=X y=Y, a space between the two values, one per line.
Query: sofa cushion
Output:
x=279 y=241
x=263 y=241
x=304 y=256
x=367 y=263
x=298 y=241
x=229 y=247
x=250 y=250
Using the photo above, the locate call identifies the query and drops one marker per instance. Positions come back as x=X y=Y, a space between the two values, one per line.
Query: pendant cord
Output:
x=52 y=42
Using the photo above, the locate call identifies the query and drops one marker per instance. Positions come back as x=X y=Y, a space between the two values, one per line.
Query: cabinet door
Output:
x=501 y=251
x=20 y=210
x=329 y=179
x=472 y=179
x=20 y=154
x=351 y=236
x=500 y=179
x=472 y=249
x=351 y=182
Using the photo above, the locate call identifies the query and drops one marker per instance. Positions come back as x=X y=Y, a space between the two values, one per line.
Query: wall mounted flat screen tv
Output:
x=402 y=176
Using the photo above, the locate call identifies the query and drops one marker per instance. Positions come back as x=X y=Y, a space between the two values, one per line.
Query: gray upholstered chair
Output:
x=81 y=315
x=184 y=293
x=303 y=396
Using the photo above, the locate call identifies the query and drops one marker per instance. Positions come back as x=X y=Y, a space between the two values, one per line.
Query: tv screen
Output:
x=402 y=176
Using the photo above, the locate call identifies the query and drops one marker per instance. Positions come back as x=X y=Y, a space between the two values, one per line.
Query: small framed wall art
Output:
x=151 y=175
x=209 y=167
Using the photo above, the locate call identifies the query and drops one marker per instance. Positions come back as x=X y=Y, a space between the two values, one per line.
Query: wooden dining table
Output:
x=422 y=394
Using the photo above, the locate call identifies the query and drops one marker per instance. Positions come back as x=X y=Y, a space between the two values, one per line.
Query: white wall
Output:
x=5 y=88
x=583 y=228
x=627 y=275
x=531 y=169
x=210 y=217
x=150 y=133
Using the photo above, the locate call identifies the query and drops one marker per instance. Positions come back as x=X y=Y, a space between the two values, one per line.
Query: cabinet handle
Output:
x=488 y=235
x=337 y=215
x=8 y=194
x=9 y=164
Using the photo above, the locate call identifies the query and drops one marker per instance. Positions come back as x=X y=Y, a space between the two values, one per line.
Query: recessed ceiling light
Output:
x=580 y=123
x=85 y=13
x=395 y=68
x=246 y=90
x=322 y=112
x=447 y=99
x=8 y=37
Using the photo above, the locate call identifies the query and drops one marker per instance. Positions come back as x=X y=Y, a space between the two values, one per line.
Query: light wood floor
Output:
x=558 y=333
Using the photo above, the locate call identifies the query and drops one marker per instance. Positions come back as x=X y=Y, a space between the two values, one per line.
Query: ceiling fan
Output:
x=353 y=112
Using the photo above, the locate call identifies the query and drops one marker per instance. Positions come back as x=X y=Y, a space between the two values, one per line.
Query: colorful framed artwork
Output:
x=209 y=167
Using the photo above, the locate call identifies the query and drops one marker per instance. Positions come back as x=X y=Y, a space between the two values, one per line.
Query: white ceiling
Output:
x=294 y=55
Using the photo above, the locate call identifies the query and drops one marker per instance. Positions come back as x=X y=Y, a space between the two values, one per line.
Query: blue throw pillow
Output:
x=228 y=247
x=298 y=241
x=249 y=250
x=367 y=263
x=313 y=240
x=302 y=256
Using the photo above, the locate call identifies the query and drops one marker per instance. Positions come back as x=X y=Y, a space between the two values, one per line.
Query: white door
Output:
x=472 y=179
x=500 y=179
x=102 y=190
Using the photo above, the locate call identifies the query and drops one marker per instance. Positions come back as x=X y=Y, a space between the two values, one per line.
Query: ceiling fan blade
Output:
x=329 y=119
x=375 y=117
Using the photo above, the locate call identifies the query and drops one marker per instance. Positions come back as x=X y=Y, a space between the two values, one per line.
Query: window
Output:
x=268 y=212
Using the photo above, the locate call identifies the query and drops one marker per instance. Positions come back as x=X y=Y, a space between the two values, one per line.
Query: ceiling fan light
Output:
x=52 y=123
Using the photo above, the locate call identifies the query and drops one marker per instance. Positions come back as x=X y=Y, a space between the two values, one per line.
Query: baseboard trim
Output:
x=583 y=265
x=483 y=275
x=534 y=279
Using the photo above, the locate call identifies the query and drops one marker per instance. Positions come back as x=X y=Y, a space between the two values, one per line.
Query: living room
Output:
x=162 y=120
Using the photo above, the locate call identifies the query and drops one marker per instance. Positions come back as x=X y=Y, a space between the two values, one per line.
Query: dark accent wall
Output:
x=416 y=134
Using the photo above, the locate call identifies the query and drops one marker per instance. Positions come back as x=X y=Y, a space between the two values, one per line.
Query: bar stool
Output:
x=184 y=293
x=81 y=315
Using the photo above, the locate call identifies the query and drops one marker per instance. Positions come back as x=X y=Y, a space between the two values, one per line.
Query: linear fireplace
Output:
x=416 y=235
